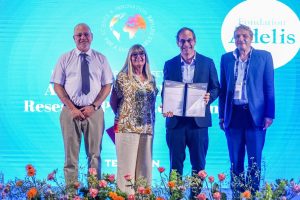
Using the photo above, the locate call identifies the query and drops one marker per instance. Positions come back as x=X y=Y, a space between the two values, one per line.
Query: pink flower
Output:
x=102 y=183
x=182 y=188
x=127 y=177
x=51 y=176
x=201 y=196
x=296 y=188
x=161 y=169
x=283 y=198
x=131 y=197
x=141 y=190
x=93 y=192
x=76 y=198
x=111 y=178
x=217 y=195
x=92 y=171
x=202 y=174
x=211 y=179
x=221 y=177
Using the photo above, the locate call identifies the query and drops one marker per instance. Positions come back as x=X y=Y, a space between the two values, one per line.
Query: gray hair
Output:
x=82 y=24
x=243 y=27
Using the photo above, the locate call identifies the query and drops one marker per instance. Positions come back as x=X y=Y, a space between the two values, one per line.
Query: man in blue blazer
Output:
x=246 y=107
x=190 y=67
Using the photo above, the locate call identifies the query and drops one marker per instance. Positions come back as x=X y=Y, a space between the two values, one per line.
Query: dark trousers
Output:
x=242 y=135
x=187 y=133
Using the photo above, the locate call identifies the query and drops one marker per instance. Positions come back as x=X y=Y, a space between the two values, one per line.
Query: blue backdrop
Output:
x=34 y=33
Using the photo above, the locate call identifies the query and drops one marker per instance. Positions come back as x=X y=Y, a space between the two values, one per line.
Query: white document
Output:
x=173 y=97
x=174 y=93
x=195 y=104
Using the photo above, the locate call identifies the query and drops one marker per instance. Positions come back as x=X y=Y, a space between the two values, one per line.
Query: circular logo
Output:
x=276 y=28
x=125 y=25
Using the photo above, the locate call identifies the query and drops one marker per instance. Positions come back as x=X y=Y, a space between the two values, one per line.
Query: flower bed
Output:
x=172 y=187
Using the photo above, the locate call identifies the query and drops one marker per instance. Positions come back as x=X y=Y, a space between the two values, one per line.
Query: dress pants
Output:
x=242 y=135
x=134 y=155
x=72 y=130
x=187 y=134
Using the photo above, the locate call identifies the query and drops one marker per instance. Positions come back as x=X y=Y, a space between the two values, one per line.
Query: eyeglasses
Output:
x=86 y=34
x=182 y=41
x=135 y=55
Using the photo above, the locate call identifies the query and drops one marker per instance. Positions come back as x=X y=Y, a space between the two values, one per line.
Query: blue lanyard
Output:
x=246 y=68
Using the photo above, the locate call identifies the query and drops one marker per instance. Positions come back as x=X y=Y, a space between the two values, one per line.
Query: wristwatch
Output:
x=95 y=107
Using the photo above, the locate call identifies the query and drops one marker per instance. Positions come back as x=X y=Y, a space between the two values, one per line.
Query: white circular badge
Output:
x=276 y=28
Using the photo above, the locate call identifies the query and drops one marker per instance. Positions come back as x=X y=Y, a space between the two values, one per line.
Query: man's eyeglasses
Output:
x=135 y=55
x=182 y=41
x=86 y=34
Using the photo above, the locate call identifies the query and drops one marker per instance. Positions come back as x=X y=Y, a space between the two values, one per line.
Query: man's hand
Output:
x=77 y=114
x=221 y=124
x=268 y=122
x=87 y=111
x=206 y=98
x=168 y=114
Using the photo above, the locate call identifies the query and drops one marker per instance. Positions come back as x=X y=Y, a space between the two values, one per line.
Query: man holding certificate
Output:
x=190 y=86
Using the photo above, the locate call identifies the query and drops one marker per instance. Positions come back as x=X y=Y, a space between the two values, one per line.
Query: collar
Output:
x=236 y=53
x=184 y=63
x=78 y=52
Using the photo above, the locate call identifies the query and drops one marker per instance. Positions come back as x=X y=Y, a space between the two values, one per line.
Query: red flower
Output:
x=102 y=183
x=161 y=169
x=51 y=176
x=141 y=190
x=29 y=167
x=202 y=174
x=131 y=197
x=92 y=171
x=221 y=177
x=93 y=192
x=30 y=170
x=201 y=196
x=217 y=195
x=111 y=178
x=211 y=179
x=127 y=177
x=76 y=185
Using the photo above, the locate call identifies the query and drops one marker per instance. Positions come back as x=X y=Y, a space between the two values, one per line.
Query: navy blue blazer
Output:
x=205 y=72
x=259 y=84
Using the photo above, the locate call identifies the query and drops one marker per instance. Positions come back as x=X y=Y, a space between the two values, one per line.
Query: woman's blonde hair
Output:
x=128 y=68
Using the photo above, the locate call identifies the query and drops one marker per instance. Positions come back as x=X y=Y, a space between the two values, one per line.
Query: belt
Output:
x=244 y=106
x=78 y=107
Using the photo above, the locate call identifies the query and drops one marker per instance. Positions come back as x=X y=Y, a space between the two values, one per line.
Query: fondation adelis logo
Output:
x=275 y=26
x=125 y=25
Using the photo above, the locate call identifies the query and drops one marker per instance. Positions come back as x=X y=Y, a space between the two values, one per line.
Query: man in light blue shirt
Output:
x=82 y=80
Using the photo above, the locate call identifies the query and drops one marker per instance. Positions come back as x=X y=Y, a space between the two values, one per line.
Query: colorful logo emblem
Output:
x=126 y=25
